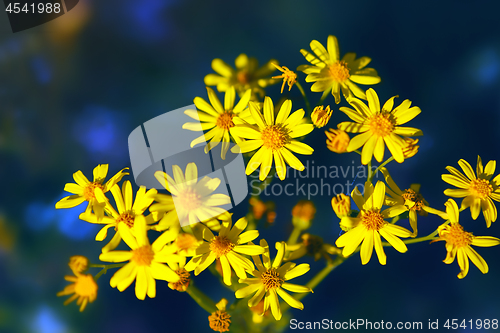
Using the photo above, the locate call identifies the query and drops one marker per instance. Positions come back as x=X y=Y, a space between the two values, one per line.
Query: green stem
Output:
x=306 y=100
x=294 y=236
x=105 y=268
x=201 y=298
x=323 y=97
x=370 y=175
x=383 y=165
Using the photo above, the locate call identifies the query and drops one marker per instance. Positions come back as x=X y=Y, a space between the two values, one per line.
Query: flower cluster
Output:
x=182 y=227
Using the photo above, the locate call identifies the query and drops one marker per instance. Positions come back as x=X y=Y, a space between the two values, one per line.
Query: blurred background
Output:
x=73 y=89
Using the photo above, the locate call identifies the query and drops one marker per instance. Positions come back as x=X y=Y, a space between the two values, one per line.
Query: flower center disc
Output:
x=417 y=198
x=219 y=321
x=339 y=71
x=221 y=245
x=481 y=188
x=275 y=137
x=373 y=220
x=126 y=218
x=225 y=120
x=458 y=236
x=243 y=77
x=271 y=279
x=381 y=124
x=88 y=191
x=189 y=199
x=143 y=255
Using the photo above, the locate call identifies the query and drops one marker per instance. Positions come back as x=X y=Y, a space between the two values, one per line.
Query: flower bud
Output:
x=337 y=140
x=78 y=264
x=341 y=204
x=302 y=214
x=410 y=148
x=320 y=116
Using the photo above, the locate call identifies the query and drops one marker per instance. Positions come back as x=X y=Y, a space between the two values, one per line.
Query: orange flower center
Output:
x=143 y=255
x=225 y=120
x=85 y=286
x=373 y=220
x=339 y=71
x=417 y=198
x=126 y=218
x=275 y=137
x=271 y=279
x=189 y=199
x=458 y=236
x=88 y=191
x=243 y=77
x=184 y=279
x=481 y=188
x=221 y=245
x=382 y=124
x=186 y=242
x=219 y=321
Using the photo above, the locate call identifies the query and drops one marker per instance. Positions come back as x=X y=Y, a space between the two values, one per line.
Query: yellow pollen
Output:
x=381 y=124
x=221 y=245
x=126 y=218
x=271 y=279
x=225 y=120
x=481 y=188
x=457 y=236
x=373 y=220
x=185 y=242
x=275 y=137
x=85 y=286
x=417 y=198
x=143 y=255
x=189 y=199
x=184 y=279
x=339 y=71
x=88 y=191
x=219 y=321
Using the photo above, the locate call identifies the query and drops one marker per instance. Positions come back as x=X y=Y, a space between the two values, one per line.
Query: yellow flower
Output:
x=410 y=198
x=478 y=191
x=220 y=320
x=320 y=116
x=128 y=210
x=370 y=225
x=84 y=190
x=274 y=138
x=192 y=200
x=271 y=279
x=145 y=260
x=313 y=246
x=337 y=140
x=83 y=287
x=184 y=276
x=287 y=76
x=247 y=75
x=410 y=149
x=217 y=118
x=186 y=244
x=78 y=264
x=228 y=247
x=459 y=241
x=379 y=126
x=341 y=205
x=331 y=73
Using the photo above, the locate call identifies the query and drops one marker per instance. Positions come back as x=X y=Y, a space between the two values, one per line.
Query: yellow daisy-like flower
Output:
x=220 y=320
x=228 y=247
x=410 y=198
x=287 y=76
x=274 y=136
x=477 y=191
x=247 y=75
x=217 y=119
x=370 y=225
x=330 y=73
x=146 y=261
x=271 y=279
x=84 y=288
x=84 y=190
x=378 y=126
x=459 y=241
x=184 y=276
x=128 y=210
x=191 y=201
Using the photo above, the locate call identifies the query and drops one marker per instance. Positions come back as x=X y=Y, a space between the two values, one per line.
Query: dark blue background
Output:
x=72 y=90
